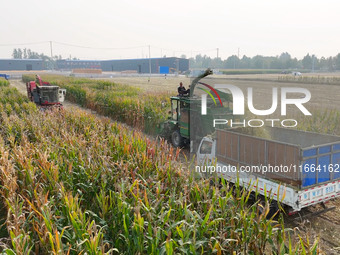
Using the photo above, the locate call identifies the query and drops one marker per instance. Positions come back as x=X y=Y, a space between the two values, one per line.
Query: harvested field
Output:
x=324 y=96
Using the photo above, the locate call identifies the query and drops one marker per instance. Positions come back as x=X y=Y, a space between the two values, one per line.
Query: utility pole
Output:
x=238 y=56
x=217 y=52
x=51 y=55
x=149 y=64
x=51 y=49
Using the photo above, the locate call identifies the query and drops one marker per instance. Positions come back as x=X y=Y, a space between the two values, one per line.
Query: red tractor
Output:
x=44 y=94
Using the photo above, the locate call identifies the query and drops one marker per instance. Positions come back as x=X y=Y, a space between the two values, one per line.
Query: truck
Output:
x=180 y=127
x=6 y=76
x=294 y=168
x=44 y=94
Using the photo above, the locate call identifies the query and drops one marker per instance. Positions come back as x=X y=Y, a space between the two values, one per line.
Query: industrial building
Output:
x=158 y=65
x=21 y=64
x=68 y=65
x=144 y=65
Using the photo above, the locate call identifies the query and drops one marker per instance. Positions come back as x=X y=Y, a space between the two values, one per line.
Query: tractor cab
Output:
x=185 y=117
x=179 y=108
x=178 y=124
x=187 y=122
x=62 y=94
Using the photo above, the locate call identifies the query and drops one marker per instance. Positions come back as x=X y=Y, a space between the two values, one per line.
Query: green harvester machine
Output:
x=186 y=123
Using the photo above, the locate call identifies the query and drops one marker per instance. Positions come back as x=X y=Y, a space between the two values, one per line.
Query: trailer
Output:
x=44 y=94
x=296 y=168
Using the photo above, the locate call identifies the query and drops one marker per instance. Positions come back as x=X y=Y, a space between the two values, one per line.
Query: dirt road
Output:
x=19 y=85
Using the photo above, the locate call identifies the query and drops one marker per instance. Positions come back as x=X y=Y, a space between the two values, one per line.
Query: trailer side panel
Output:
x=258 y=155
x=320 y=164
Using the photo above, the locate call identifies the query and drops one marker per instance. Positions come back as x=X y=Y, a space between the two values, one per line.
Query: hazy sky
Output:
x=171 y=27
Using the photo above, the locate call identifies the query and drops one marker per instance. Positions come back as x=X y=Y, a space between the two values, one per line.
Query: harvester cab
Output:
x=185 y=120
x=62 y=94
x=44 y=94
x=178 y=124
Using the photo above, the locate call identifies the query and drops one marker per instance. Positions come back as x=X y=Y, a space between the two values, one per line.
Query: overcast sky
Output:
x=171 y=27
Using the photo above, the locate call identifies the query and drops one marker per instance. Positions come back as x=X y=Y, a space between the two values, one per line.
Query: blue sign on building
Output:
x=163 y=69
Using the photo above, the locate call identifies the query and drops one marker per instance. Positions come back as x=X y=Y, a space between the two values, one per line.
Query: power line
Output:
x=173 y=50
x=20 y=44
x=99 y=48
x=51 y=49
x=73 y=45
x=108 y=48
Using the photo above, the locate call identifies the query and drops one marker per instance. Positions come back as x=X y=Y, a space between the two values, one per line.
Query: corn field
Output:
x=321 y=121
x=75 y=183
x=3 y=83
x=335 y=80
x=123 y=103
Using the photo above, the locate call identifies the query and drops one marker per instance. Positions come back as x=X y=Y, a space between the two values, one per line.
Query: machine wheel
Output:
x=165 y=130
x=273 y=207
x=176 y=139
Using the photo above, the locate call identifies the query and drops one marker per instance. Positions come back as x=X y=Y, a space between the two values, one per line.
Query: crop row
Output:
x=251 y=71
x=321 y=121
x=4 y=83
x=133 y=106
x=334 y=80
x=75 y=183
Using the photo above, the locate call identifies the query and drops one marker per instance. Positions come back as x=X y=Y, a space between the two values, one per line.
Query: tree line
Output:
x=19 y=53
x=284 y=61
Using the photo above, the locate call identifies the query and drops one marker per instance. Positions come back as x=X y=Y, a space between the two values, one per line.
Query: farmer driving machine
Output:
x=44 y=94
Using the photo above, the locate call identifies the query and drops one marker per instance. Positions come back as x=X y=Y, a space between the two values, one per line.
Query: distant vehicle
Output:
x=296 y=73
x=6 y=76
x=285 y=72
x=44 y=94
